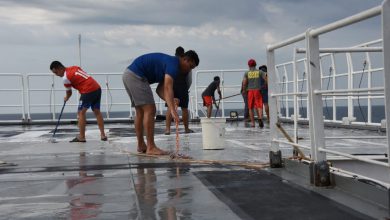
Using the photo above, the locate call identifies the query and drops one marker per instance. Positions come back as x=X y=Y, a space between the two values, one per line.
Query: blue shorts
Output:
x=264 y=93
x=90 y=100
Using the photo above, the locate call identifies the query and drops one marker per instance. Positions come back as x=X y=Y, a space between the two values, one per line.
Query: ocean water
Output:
x=361 y=113
x=378 y=113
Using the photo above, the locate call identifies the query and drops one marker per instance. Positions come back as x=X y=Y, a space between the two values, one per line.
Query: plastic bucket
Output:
x=213 y=133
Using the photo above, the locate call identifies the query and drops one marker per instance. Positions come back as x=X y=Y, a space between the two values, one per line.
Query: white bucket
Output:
x=213 y=133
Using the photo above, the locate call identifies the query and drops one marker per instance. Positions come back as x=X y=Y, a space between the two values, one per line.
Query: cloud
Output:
x=224 y=33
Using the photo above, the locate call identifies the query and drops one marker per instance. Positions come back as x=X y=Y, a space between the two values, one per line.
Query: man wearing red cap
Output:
x=251 y=83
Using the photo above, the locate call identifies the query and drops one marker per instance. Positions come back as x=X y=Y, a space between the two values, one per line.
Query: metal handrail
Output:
x=316 y=76
x=21 y=90
x=105 y=88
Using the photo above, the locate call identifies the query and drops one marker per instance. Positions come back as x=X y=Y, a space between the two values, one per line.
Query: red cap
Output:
x=251 y=62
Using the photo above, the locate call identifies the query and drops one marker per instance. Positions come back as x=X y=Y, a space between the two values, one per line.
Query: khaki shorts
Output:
x=138 y=89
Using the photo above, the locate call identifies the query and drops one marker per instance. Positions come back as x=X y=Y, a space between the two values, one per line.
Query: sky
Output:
x=224 y=33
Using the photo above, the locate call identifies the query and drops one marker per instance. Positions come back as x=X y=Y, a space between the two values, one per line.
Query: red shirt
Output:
x=76 y=77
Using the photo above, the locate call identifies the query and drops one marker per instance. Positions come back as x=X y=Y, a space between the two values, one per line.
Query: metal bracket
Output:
x=320 y=174
x=275 y=159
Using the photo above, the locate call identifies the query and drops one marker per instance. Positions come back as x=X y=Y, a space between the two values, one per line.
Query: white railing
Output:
x=314 y=86
x=330 y=79
x=15 y=87
x=31 y=92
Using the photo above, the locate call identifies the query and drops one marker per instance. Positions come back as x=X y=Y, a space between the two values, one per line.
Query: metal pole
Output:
x=369 y=103
x=316 y=122
x=295 y=96
x=223 y=93
x=28 y=98
x=107 y=110
x=386 y=65
x=334 y=87
x=53 y=100
x=23 y=104
x=196 y=94
x=347 y=21
x=350 y=85
x=272 y=102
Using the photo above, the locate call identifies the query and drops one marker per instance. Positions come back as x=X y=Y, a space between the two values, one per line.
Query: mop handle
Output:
x=59 y=118
x=228 y=97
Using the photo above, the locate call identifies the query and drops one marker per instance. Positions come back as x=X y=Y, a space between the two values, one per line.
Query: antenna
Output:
x=80 y=50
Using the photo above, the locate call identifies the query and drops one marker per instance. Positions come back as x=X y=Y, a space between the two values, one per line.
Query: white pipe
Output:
x=28 y=98
x=344 y=50
x=335 y=169
x=348 y=90
x=107 y=110
x=289 y=41
x=357 y=137
x=354 y=157
x=364 y=95
x=291 y=143
x=289 y=94
x=347 y=21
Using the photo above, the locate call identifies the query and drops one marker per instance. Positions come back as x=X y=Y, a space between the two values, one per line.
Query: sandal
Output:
x=103 y=139
x=167 y=133
x=76 y=139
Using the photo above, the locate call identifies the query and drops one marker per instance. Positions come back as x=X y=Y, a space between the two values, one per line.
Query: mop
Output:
x=52 y=139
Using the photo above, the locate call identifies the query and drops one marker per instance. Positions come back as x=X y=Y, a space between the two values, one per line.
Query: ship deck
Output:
x=108 y=180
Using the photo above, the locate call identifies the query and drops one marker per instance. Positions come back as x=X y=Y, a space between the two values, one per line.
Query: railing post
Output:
x=305 y=80
x=287 y=110
x=23 y=101
x=334 y=118
x=191 y=104
x=386 y=65
x=316 y=122
x=273 y=88
x=350 y=86
x=369 y=83
x=28 y=97
x=295 y=84
x=196 y=94
x=223 y=94
x=53 y=100
x=107 y=110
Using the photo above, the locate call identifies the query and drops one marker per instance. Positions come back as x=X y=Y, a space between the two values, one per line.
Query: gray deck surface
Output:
x=101 y=180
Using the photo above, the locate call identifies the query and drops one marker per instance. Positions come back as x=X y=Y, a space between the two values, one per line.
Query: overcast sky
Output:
x=225 y=33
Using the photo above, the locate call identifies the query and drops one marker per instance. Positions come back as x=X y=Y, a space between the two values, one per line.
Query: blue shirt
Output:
x=154 y=66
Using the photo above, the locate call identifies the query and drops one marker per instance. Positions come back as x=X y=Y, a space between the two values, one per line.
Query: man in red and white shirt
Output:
x=90 y=95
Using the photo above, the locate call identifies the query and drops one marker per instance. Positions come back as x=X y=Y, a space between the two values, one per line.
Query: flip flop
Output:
x=76 y=139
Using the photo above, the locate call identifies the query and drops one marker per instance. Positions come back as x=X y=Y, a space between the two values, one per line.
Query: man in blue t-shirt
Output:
x=148 y=69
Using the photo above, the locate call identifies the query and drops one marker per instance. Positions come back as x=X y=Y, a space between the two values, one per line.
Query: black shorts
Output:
x=90 y=100
x=182 y=95
x=264 y=93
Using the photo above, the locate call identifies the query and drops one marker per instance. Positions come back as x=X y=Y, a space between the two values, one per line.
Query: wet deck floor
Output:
x=101 y=180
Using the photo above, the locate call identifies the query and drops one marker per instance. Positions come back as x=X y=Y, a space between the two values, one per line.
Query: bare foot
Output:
x=103 y=138
x=142 y=149
x=156 y=151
